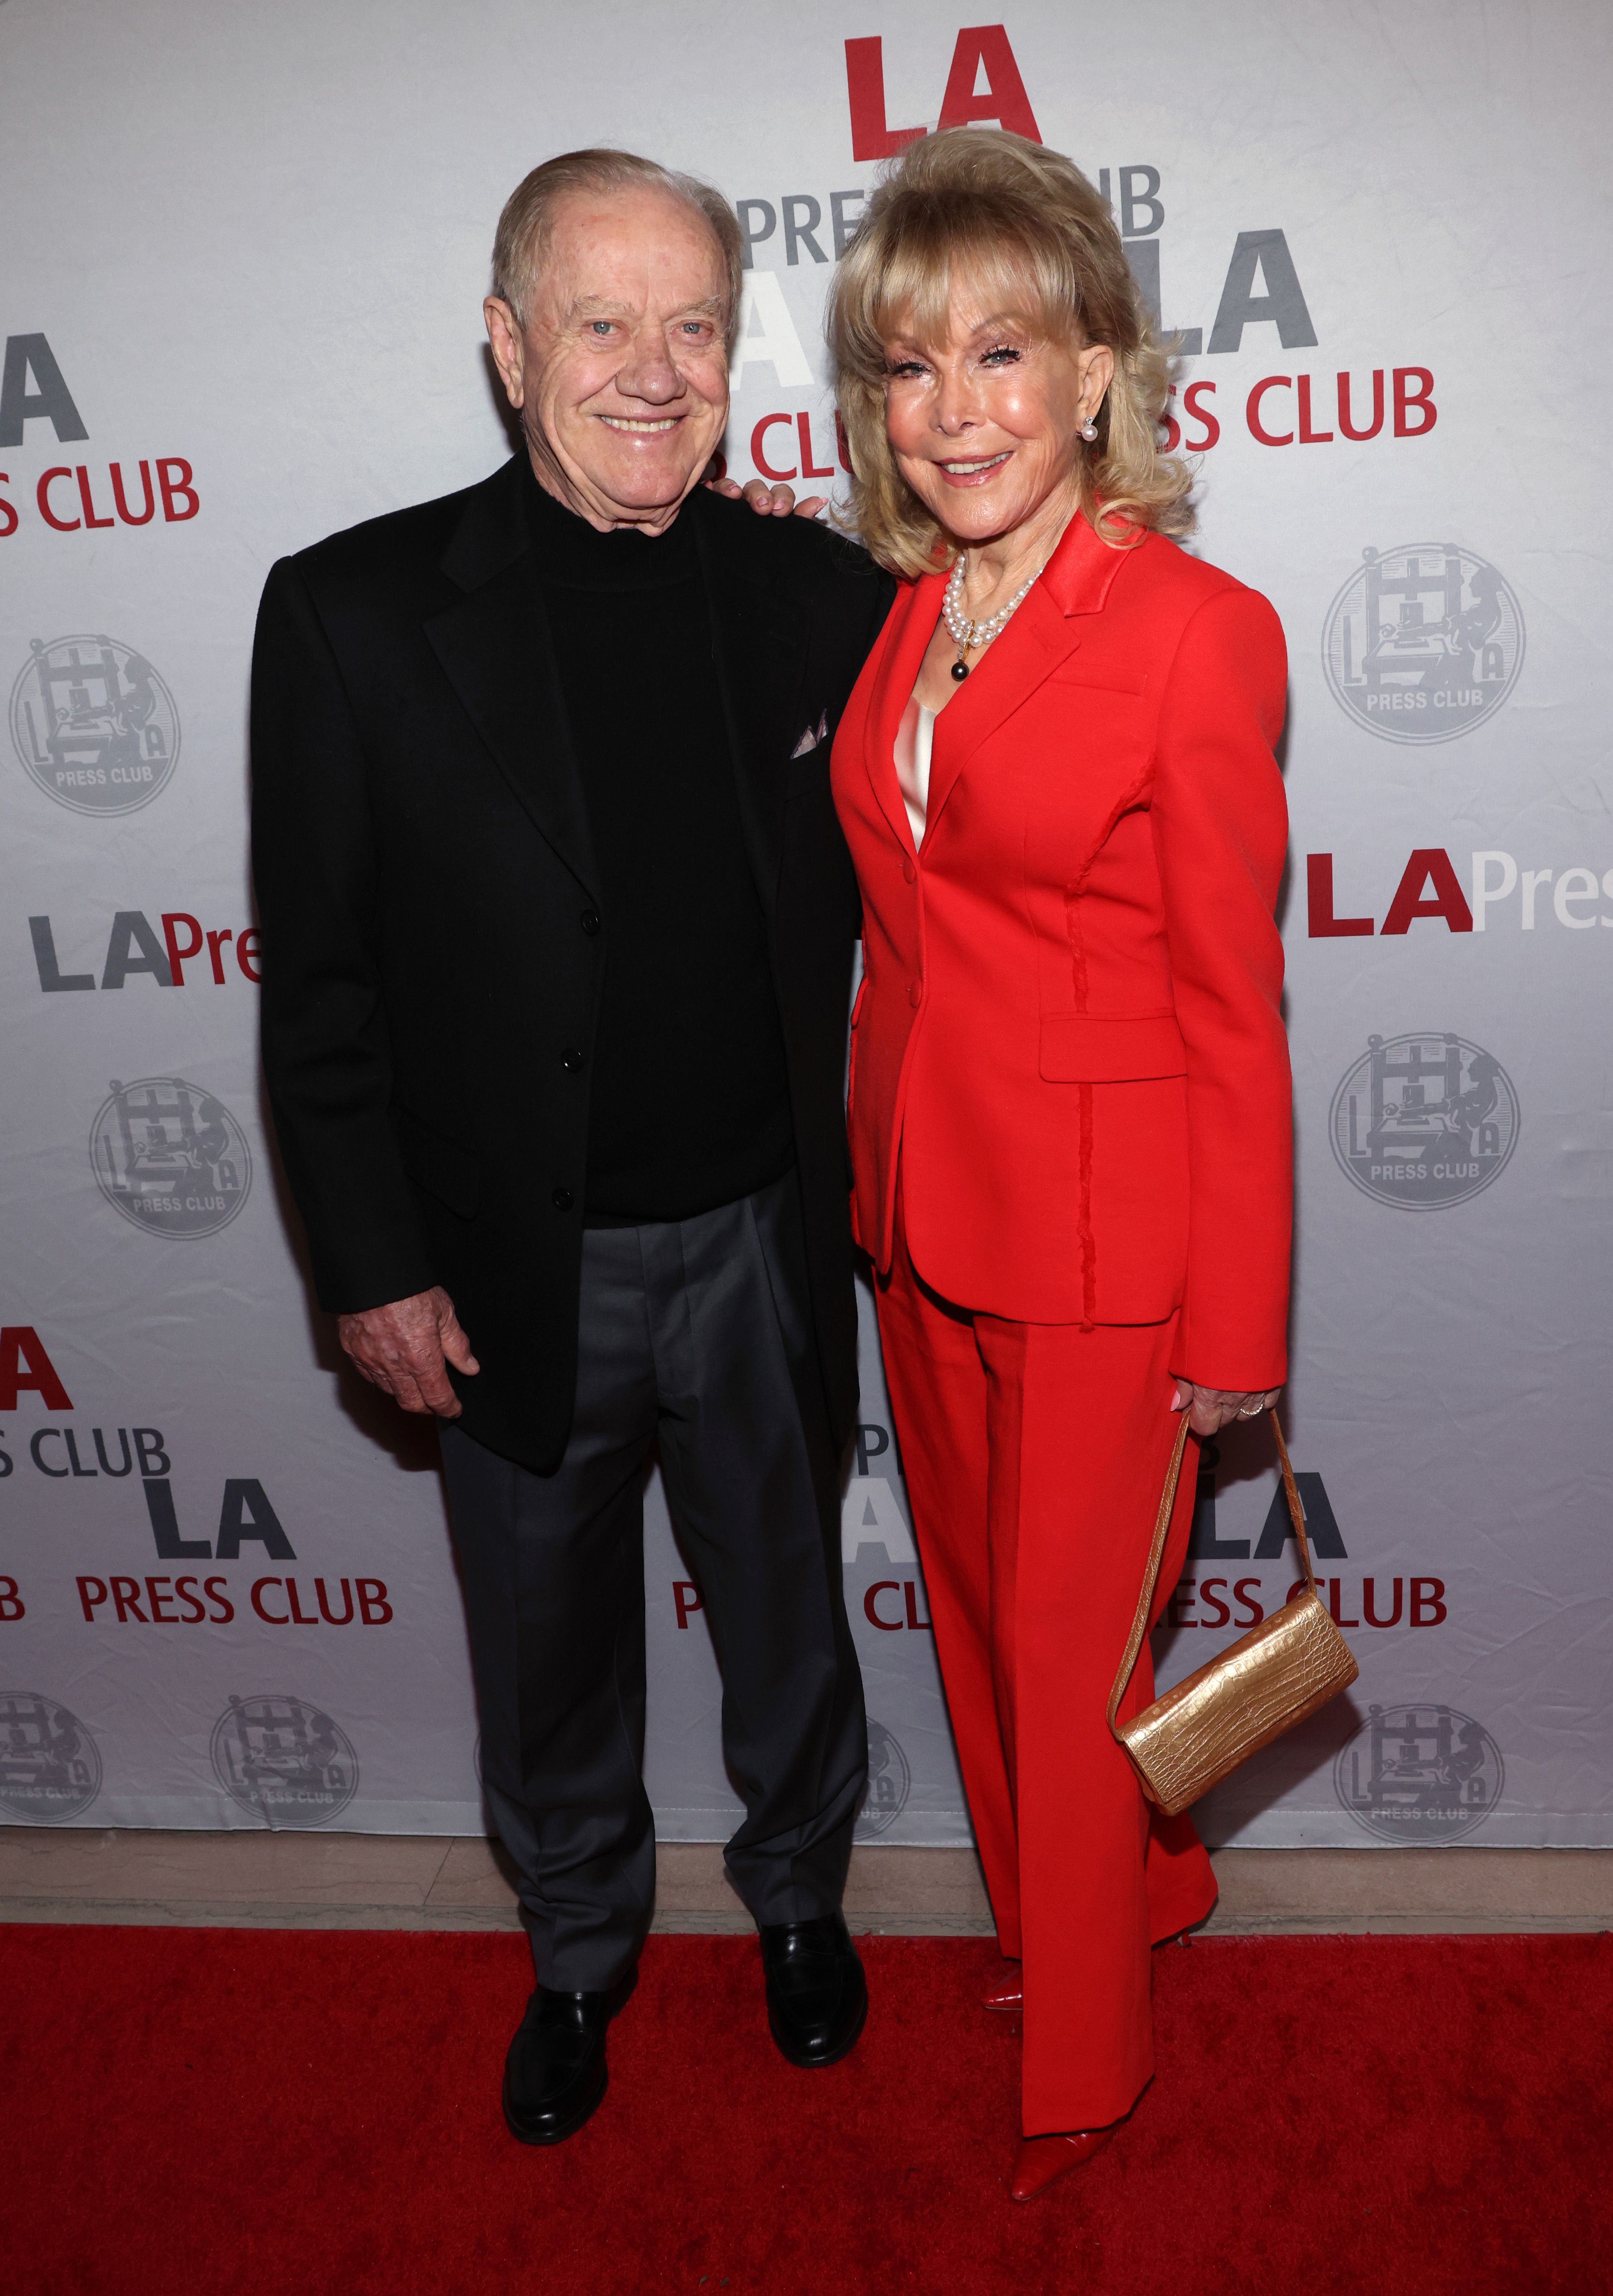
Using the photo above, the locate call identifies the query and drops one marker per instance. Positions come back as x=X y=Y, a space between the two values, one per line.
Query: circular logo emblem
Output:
x=94 y=724
x=890 y=1783
x=50 y=1767
x=1426 y=1120
x=285 y=1760
x=1424 y=643
x=1420 y=1774
x=170 y=1157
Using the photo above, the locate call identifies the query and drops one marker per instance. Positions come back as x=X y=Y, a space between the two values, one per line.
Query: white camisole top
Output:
x=915 y=737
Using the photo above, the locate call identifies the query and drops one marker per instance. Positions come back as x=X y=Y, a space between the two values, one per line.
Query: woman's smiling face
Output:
x=985 y=425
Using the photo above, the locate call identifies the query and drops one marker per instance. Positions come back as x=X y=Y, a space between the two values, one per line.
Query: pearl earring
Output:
x=1089 y=430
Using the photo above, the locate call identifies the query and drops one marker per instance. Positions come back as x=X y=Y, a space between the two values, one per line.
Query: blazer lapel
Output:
x=761 y=633
x=907 y=635
x=1046 y=631
x=495 y=647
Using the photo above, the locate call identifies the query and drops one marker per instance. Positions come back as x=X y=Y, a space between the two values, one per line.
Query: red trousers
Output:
x=1035 y=1455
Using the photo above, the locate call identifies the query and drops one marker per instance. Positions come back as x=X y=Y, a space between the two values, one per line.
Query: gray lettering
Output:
x=1283 y=303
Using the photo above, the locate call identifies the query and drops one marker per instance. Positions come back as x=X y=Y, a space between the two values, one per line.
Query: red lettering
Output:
x=881 y=1586
x=8 y=510
x=1367 y=1591
x=1003 y=99
x=173 y=488
x=268 y=1616
x=374 y=1607
x=1320 y=924
x=911 y=1591
x=90 y=1603
x=1335 y=1603
x=20 y=1346
x=227 y=1609
x=1308 y=436
x=124 y=511
x=324 y=1607
x=1433 y=1602
x=90 y=519
x=1190 y=398
x=688 y=1598
x=809 y=469
x=297 y=1619
x=1180 y=1603
x=11 y=1605
x=870 y=138
x=42 y=494
x=1429 y=864
x=1251 y=1603
x=177 y=956
x=1345 y=423
x=125 y=1600
x=159 y=1617
x=1206 y=1593
x=246 y=954
x=757 y=456
x=1256 y=398
x=215 y=941
x=1408 y=402
x=194 y=1610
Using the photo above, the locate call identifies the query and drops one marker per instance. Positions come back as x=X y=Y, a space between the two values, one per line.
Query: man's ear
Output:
x=509 y=349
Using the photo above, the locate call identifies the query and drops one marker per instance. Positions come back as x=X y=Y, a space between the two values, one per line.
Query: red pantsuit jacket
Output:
x=1069 y=1020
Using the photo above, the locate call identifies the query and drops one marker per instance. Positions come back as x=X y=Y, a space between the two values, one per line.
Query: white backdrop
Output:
x=244 y=260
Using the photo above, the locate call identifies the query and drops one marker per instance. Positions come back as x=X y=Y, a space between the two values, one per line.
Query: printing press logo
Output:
x=170 y=1157
x=1425 y=1120
x=283 y=1759
x=1421 y=1772
x=890 y=1783
x=1423 y=643
x=50 y=1767
x=94 y=724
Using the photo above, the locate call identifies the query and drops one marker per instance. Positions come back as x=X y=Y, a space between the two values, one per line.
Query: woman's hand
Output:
x=771 y=501
x=1211 y=1408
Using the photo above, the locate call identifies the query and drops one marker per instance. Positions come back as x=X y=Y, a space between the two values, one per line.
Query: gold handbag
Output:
x=1268 y=1680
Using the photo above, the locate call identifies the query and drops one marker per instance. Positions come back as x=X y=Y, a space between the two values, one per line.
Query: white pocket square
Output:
x=809 y=740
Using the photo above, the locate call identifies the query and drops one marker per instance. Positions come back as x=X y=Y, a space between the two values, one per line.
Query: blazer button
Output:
x=561 y=1200
x=909 y=871
x=570 y=1060
x=590 y=922
x=915 y=995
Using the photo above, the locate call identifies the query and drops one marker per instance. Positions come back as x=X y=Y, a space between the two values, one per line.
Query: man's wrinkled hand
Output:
x=404 y=1348
x=1211 y=1408
x=771 y=501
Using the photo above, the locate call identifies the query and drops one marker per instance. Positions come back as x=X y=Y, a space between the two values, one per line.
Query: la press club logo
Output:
x=1423 y=641
x=1421 y=1772
x=50 y=1767
x=170 y=1157
x=93 y=724
x=286 y=1761
x=1424 y=1121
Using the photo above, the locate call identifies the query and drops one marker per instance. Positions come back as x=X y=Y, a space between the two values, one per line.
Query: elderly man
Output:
x=558 y=928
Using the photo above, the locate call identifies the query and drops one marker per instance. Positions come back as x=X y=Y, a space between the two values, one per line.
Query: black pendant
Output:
x=960 y=669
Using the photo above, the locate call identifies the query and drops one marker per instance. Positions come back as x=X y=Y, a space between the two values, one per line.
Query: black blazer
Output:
x=434 y=928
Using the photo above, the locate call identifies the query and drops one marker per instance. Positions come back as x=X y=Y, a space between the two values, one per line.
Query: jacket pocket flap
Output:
x=449 y=1173
x=1085 y=1048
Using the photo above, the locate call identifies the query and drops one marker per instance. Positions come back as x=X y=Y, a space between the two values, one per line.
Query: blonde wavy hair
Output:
x=1030 y=233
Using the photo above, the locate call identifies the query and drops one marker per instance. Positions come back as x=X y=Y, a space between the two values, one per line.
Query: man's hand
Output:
x=400 y=1349
x=1210 y=1408
x=772 y=502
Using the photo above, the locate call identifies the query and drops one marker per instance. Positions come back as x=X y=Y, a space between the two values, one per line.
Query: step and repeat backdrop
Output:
x=244 y=260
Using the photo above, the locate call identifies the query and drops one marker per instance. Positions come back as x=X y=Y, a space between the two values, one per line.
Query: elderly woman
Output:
x=1069 y=1101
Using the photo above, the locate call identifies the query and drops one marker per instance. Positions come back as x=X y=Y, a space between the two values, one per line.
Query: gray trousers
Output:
x=695 y=1336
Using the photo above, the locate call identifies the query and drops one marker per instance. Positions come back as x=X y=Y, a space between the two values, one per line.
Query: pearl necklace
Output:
x=967 y=635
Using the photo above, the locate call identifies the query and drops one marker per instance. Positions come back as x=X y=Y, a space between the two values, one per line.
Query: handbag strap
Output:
x=1162 y=1523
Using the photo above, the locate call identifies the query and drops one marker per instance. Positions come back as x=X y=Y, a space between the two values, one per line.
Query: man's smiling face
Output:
x=620 y=372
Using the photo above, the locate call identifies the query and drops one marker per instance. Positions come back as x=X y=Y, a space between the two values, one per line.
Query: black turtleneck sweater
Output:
x=689 y=1105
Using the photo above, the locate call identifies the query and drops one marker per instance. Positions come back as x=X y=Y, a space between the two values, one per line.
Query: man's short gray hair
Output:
x=520 y=246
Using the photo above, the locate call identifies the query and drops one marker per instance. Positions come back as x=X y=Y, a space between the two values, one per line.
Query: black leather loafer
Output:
x=817 y=1996
x=554 y=2074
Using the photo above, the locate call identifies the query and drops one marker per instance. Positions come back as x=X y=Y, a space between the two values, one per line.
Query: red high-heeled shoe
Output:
x=1008 y=1992
x=1041 y=2160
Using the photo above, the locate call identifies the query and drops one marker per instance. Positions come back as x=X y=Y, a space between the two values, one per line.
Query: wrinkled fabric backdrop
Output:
x=244 y=259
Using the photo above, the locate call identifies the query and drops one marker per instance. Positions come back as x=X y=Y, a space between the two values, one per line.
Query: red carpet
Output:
x=194 y=2112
